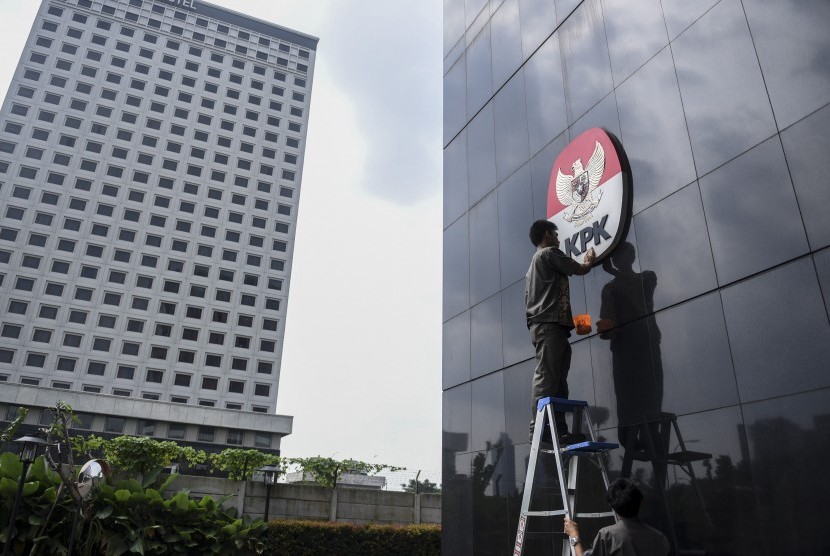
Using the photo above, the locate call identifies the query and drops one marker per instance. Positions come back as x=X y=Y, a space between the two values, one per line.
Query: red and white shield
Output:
x=589 y=194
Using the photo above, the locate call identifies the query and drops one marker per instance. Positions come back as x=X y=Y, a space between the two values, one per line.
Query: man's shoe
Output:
x=572 y=438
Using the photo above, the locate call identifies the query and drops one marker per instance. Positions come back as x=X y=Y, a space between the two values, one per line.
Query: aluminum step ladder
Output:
x=569 y=456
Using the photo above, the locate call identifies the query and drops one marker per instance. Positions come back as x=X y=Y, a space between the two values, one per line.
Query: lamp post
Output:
x=269 y=477
x=28 y=453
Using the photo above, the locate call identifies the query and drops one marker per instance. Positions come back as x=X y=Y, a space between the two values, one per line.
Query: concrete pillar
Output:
x=417 y=516
x=333 y=512
x=240 y=500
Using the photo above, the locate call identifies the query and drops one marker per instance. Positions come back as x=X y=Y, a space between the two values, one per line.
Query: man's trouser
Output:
x=553 y=360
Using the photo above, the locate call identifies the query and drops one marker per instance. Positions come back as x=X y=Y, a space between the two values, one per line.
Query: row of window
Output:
x=71 y=339
x=239 y=48
x=146 y=427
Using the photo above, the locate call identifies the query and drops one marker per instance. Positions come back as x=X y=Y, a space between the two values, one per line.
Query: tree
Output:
x=422 y=487
x=327 y=471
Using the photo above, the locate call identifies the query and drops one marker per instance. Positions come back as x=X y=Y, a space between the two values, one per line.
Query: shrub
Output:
x=313 y=538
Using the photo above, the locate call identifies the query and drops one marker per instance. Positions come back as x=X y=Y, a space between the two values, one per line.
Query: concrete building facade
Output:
x=719 y=296
x=151 y=154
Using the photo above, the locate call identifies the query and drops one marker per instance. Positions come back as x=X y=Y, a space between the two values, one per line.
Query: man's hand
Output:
x=571 y=528
x=590 y=257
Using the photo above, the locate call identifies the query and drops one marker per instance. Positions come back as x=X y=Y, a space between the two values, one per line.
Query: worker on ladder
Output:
x=629 y=536
x=549 y=318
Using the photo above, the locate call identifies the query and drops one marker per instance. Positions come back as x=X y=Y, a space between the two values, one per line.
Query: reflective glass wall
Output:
x=716 y=378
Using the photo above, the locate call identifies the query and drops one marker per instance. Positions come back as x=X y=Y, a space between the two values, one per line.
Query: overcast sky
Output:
x=361 y=370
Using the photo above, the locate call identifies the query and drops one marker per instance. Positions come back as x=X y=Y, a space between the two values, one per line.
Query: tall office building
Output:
x=150 y=162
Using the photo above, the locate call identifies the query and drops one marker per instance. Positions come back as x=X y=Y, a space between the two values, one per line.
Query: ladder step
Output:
x=687 y=457
x=560 y=404
x=594 y=515
x=589 y=447
x=544 y=513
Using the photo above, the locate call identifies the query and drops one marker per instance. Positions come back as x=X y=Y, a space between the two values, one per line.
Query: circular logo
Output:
x=589 y=194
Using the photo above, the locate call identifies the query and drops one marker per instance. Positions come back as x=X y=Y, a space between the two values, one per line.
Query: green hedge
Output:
x=313 y=538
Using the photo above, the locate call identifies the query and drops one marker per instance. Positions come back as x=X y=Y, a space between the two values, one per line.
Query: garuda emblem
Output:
x=577 y=191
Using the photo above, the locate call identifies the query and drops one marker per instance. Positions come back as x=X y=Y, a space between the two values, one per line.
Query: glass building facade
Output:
x=720 y=294
x=150 y=162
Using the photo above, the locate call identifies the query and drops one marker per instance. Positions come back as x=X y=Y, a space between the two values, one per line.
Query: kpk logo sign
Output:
x=589 y=195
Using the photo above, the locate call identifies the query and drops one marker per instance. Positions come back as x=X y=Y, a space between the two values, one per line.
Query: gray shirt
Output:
x=629 y=537
x=547 y=292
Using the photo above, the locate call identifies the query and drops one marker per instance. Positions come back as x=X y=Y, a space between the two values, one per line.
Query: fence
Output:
x=349 y=505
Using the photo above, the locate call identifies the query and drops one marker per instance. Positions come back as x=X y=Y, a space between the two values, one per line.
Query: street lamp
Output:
x=28 y=453
x=269 y=477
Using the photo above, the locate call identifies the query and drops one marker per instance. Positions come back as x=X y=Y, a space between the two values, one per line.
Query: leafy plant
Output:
x=310 y=538
x=327 y=471
x=11 y=429
x=137 y=454
x=423 y=487
x=241 y=464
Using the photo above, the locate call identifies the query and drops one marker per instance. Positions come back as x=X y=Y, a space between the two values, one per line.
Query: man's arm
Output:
x=587 y=262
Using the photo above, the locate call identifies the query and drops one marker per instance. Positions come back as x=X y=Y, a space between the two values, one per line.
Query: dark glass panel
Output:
x=510 y=127
x=456 y=420
x=485 y=334
x=455 y=110
x=635 y=33
x=481 y=155
x=727 y=109
x=540 y=168
x=680 y=14
x=472 y=9
x=515 y=336
x=654 y=132
x=603 y=115
x=778 y=332
x=487 y=411
x=693 y=351
x=585 y=55
x=455 y=179
x=538 y=18
x=545 y=95
x=479 y=72
x=515 y=217
x=456 y=503
x=456 y=350
x=822 y=261
x=485 y=278
x=456 y=268
x=792 y=43
x=517 y=409
x=674 y=245
x=580 y=376
x=489 y=502
x=806 y=145
x=453 y=23
x=788 y=449
x=505 y=36
x=752 y=213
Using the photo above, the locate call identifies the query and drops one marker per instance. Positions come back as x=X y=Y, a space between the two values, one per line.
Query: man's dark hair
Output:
x=624 y=497
x=538 y=230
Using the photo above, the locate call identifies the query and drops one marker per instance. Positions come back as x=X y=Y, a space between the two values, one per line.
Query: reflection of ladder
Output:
x=570 y=455
x=651 y=442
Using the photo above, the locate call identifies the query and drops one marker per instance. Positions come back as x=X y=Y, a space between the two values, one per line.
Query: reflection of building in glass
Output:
x=150 y=161
x=712 y=373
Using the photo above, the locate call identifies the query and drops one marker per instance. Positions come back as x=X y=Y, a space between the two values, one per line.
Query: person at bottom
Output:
x=549 y=318
x=629 y=536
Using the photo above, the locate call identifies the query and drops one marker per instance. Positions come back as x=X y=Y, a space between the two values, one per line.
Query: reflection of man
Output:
x=629 y=536
x=635 y=346
x=548 y=311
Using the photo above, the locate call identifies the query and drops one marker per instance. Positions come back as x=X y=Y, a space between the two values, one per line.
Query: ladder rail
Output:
x=568 y=482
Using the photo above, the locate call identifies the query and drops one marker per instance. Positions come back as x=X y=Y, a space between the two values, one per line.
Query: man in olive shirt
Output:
x=549 y=318
x=629 y=536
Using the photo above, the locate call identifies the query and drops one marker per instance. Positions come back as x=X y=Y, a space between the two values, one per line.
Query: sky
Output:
x=361 y=366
